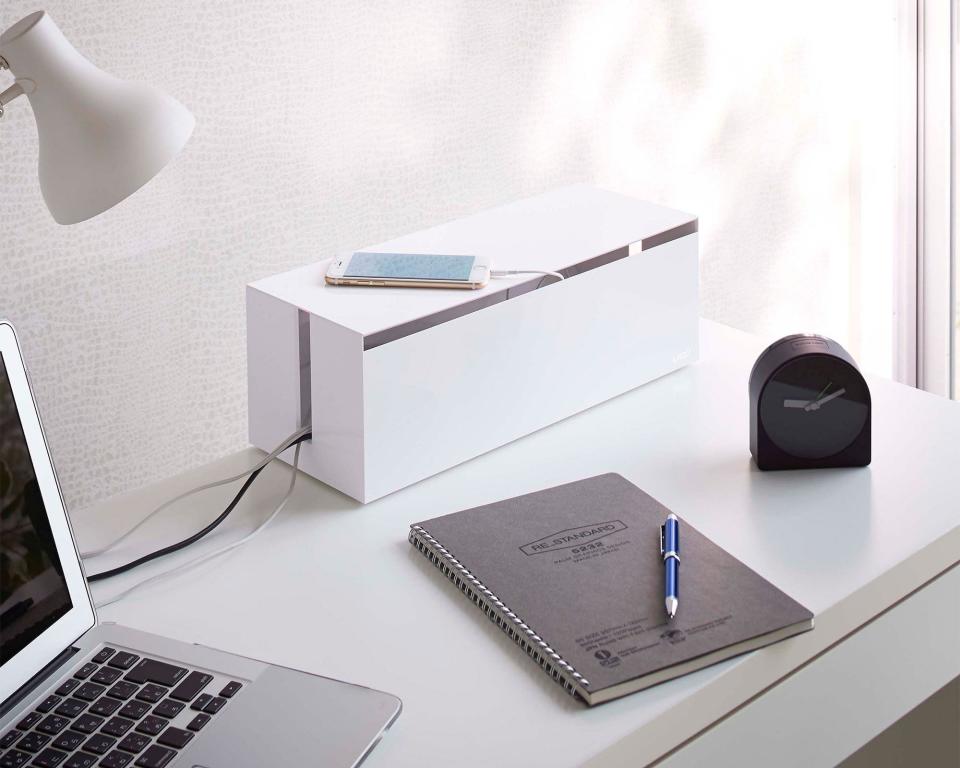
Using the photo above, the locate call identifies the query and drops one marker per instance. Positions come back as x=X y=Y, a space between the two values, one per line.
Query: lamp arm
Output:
x=10 y=93
x=19 y=88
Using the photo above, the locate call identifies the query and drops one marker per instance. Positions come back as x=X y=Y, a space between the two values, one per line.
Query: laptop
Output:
x=79 y=694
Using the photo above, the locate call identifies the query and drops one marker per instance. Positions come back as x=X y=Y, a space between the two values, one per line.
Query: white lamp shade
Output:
x=101 y=138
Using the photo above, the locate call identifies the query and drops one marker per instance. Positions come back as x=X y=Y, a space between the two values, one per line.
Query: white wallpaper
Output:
x=330 y=125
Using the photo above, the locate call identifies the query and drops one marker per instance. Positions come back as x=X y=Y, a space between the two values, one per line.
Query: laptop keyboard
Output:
x=115 y=711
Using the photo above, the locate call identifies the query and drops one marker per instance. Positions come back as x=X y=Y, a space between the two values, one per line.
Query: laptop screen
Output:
x=33 y=591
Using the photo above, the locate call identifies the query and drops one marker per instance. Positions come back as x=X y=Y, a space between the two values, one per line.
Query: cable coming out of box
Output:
x=284 y=445
x=295 y=439
x=221 y=550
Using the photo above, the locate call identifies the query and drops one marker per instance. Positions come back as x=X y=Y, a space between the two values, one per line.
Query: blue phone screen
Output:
x=412 y=266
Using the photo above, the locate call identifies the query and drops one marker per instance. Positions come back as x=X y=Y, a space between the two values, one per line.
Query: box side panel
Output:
x=335 y=453
x=273 y=369
x=521 y=365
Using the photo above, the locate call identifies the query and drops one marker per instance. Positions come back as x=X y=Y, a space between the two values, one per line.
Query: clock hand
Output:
x=815 y=405
x=804 y=403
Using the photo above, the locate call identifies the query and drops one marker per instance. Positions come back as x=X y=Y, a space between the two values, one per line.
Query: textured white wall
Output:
x=330 y=125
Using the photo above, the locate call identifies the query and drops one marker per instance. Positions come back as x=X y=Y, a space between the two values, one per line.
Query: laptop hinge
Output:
x=37 y=680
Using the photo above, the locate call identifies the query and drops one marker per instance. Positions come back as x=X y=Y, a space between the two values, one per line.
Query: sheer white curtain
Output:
x=937 y=310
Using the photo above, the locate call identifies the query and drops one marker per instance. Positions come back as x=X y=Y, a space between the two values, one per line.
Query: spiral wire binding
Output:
x=511 y=624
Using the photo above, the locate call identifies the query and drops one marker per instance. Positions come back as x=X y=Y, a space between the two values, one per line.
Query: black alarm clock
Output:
x=809 y=406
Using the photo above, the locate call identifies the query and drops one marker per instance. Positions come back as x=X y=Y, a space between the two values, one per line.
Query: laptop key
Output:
x=123 y=660
x=86 y=670
x=53 y=724
x=191 y=686
x=201 y=701
x=105 y=653
x=231 y=688
x=99 y=744
x=89 y=691
x=116 y=760
x=152 y=693
x=71 y=707
x=152 y=725
x=153 y=671
x=14 y=759
x=87 y=723
x=80 y=760
x=123 y=690
x=198 y=722
x=9 y=738
x=33 y=742
x=68 y=740
x=48 y=703
x=134 y=710
x=105 y=706
x=214 y=705
x=29 y=721
x=67 y=686
x=134 y=742
x=49 y=758
x=106 y=675
x=117 y=726
x=168 y=708
x=175 y=737
x=155 y=757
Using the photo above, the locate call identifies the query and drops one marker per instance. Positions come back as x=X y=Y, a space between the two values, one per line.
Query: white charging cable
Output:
x=515 y=272
x=222 y=550
x=227 y=480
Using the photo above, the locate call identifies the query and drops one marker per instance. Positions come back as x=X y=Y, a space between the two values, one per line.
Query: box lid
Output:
x=566 y=229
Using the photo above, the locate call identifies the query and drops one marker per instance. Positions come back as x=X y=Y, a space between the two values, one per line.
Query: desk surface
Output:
x=334 y=588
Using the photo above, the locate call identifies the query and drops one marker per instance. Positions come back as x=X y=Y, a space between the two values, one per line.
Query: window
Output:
x=938 y=356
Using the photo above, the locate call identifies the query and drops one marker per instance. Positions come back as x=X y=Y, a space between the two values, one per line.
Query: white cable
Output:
x=226 y=481
x=210 y=555
x=513 y=272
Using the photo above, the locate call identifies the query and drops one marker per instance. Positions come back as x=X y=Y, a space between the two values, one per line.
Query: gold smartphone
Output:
x=409 y=270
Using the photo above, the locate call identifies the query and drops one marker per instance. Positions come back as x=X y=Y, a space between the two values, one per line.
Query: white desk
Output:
x=334 y=588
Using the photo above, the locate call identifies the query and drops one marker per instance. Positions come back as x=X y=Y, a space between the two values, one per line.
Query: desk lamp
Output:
x=101 y=138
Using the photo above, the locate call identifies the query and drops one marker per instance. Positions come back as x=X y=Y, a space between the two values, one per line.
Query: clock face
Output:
x=814 y=406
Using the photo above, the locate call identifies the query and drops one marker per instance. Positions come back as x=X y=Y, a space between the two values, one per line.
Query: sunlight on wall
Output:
x=779 y=130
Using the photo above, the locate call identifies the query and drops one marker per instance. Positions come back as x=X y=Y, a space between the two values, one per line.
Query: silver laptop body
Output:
x=76 y=693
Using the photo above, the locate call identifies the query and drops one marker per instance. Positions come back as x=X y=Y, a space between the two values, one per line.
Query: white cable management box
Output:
x=402 y=383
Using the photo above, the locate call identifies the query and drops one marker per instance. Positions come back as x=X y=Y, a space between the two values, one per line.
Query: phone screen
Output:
x=410 y=266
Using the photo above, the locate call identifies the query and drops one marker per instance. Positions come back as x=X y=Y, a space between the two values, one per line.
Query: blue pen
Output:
x=670 y=550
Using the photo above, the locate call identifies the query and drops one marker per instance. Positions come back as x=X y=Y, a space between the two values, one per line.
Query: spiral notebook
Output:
x=573 y=575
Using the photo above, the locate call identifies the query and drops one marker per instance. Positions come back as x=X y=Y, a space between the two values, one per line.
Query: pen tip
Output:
x=671 y=605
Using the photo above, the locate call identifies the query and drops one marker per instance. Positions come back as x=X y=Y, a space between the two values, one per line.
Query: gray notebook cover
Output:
x=574 y=575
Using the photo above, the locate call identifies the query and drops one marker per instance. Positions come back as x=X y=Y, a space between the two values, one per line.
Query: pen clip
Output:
x=663 y=533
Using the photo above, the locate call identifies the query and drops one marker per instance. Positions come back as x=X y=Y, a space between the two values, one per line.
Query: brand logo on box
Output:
x=572 y=537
